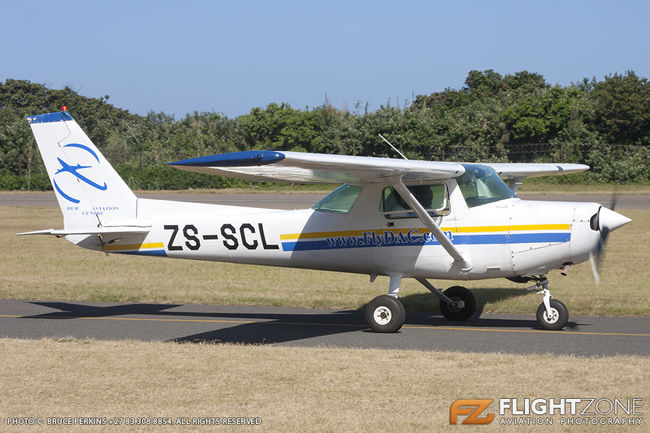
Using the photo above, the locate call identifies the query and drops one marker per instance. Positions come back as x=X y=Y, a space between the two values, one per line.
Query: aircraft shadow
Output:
x=270 y=328
x=265 y=328
x=271 y=332
x=74 y=311
x=429 y=302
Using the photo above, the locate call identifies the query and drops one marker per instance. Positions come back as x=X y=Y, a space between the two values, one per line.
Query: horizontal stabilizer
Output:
x=113 y=230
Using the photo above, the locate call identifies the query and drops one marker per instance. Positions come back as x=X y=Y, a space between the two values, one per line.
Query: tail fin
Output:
x=90 y=192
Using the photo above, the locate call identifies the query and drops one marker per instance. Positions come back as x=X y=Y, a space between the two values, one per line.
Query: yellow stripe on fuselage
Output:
x=133 y=246
x=476 y=229
x=513 y=228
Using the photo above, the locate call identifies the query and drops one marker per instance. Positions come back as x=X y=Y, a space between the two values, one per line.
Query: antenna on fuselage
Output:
x=392 y=147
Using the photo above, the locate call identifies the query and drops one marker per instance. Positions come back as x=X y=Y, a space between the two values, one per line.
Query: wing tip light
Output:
x=233 y=159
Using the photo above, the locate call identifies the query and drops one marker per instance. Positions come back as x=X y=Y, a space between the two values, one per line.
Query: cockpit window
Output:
x=434 y=198
x=480 y=185
x=340 y=200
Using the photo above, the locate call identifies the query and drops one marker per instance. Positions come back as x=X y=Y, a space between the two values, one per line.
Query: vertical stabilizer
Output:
x=88 y=189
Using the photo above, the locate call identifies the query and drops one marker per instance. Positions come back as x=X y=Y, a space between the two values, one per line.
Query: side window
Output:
x=434 y=198
x=340 y=200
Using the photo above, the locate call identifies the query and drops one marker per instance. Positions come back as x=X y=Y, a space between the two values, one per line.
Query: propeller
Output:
x=605 y=221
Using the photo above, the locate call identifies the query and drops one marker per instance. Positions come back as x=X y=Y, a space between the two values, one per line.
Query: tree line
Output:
x=605 y=124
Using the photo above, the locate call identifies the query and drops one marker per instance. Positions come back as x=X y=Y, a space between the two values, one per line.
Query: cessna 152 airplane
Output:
x=392 y=217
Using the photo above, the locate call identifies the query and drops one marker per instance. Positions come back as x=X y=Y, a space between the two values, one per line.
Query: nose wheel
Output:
x=551 y=313
x=558 y=317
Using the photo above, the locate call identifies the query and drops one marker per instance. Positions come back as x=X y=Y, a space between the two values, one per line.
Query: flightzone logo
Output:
x=74 y=171
x=548 y=411
x=471 y=410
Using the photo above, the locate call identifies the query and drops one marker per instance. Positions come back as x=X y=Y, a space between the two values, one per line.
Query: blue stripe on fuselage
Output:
x=159 y=253
x=470 y=239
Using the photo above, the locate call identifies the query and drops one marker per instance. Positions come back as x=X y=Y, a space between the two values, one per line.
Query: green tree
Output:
x=622 y=109
x=537 y=119
x=524 y=82
x=279 y=127
x=482 y=84
x=604 y=123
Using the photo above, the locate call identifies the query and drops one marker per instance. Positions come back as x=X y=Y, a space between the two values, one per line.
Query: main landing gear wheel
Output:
x=385 y=314
x=457 y=311
x=558 y=318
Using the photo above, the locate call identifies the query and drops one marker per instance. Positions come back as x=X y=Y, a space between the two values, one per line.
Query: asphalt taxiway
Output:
x=582 y=336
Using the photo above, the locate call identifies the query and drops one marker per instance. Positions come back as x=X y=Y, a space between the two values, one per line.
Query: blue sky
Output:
x=229 y=57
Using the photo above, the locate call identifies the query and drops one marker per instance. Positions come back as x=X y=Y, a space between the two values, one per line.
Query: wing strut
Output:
x=429 y=223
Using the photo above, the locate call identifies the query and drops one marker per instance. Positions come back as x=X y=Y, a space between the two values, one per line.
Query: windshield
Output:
x=481 y=185
x=340 y=200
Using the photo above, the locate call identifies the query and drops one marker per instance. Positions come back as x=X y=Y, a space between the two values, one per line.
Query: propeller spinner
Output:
x=605 y=221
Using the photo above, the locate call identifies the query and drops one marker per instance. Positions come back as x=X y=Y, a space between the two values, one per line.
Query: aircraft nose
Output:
x=610 y=220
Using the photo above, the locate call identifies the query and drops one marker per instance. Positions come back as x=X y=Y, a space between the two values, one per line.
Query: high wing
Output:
x=509 y=171
x=515 y=173
x=265 y=165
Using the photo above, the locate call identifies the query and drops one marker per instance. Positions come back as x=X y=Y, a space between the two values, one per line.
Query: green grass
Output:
x=46 y=268
x=292 y=389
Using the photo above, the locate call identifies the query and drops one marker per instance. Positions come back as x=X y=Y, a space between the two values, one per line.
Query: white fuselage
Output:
x=505 y=238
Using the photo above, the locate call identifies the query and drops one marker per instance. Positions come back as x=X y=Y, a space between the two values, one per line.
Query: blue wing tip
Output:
x=60 y=116
x=234 y=159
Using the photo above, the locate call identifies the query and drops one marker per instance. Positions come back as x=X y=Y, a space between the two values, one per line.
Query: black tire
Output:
x=401 y=307
x=559 y=319
x=385 y=314
x=458 y=293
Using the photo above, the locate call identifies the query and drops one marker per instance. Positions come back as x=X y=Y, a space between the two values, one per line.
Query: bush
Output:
x=164 y=177
x=37 y=182
x=620 y=164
